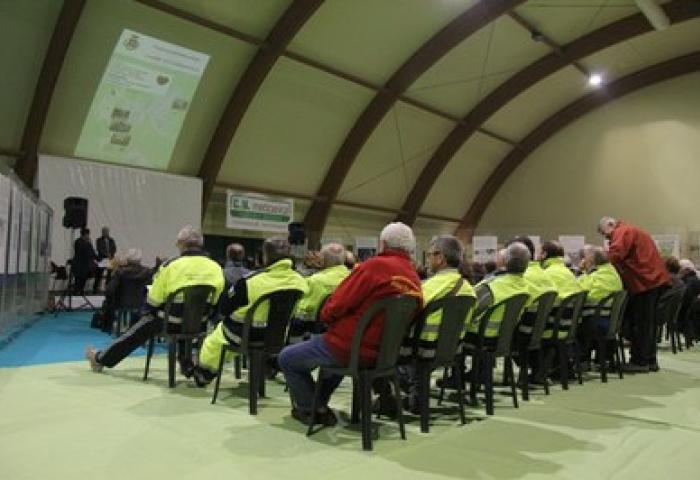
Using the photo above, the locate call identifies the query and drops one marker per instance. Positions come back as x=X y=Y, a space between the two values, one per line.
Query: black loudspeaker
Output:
x=75 y=211
x=297 y=233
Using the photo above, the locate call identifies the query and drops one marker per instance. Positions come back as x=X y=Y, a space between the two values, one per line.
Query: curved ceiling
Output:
x=405 y=107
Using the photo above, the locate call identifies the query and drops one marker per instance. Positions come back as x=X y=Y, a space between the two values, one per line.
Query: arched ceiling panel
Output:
x=29 y=25
x=517 y=117
x=566 y=20
x=292 y=128
x=252 y=17
x=648 y=49
x=393 y=157
x=463 y=177
x=477 y=66
x=371 y=38
x=96 y=34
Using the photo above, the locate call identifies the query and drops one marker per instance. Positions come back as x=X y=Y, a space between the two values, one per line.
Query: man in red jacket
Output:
x=389 y=273
x=636 y=258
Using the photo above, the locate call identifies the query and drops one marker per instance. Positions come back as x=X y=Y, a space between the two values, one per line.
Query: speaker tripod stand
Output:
x=65 y=301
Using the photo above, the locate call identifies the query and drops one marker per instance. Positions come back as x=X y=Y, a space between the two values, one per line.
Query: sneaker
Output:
x=91 y=356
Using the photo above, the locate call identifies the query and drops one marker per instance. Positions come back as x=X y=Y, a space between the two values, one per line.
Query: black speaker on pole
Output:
x=75 y=211
x=297 y=233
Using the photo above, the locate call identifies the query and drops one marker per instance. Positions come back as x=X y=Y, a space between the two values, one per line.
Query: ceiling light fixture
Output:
x=595 y=80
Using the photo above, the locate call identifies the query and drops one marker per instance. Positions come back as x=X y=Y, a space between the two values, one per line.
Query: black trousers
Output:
x=642 y=326
x=79 y=284
x=147 y=327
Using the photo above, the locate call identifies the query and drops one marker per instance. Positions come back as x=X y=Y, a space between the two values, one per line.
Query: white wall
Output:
x=144 y=209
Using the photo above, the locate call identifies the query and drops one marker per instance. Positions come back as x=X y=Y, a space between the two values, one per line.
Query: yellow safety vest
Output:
x=600 y=283
x=566 y=284
x=502 y=288
x=435 y=288
x=321 y=285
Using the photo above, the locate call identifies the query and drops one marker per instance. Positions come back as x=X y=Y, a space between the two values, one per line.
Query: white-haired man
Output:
x=192 y=267
x=689 y=315
x=389 y=273
x=321 y=284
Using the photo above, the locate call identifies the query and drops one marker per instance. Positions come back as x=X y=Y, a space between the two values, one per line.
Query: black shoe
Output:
x=202 y=377
x=385 y=408
x=635 y=368
x=654 y=367
x=450 y=382
x=325 y=418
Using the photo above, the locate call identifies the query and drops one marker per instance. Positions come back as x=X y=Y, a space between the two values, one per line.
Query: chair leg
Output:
x=618 y=364
x=544 y=365
x=678 y=338
x=476 y=373
x=262 y=374
x=442 y=388
x=673 y=338
x=314 y=404
x=423 y=374
x=219 y=372
x=149 y=354
x=621 y=344
x=172 y=355
x=603 y=359
x=577 y=363
x=460 y=394
x=253 y=379
x=488 y=362
x=366 y=392
x=356 y=402
x=563 y=366
x=399 y=407
x=525 y=367
x=513 y=388
x=237 y=367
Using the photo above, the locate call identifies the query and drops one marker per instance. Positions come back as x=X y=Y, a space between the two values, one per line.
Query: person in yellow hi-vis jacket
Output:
x=192 y=267
x=600 y=280
x=321 y=285
x=278 y=274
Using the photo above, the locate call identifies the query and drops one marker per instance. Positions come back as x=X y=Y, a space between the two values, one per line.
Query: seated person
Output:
x=600 y=280
x=234 y=268
x=387 y=274
x=688 y=318
x=278 y=274
x=127 y=287
x=192 y=267
x=495 y=290
x=321 y=284
x=444 y=258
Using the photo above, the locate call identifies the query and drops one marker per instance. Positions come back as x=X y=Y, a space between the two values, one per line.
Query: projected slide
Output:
x=141 y=102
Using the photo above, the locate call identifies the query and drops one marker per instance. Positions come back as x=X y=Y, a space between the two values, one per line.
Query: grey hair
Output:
x=607 y=222
x=332 y=254
x=517 y=257
x=450 y=248
x=686 y=264
x=398 y=236
x=596 y=253
x=133 y=255
x=274 y=249
x=189 y=236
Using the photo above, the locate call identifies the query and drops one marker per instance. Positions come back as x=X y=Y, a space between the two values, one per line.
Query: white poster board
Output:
x=142 y=100
x=261 y=213
x=25 y=241
x=668 y=244
x=5 y=193
x=537 y=242
x=572 y=245
x=16 y=211
x=485 y=248
x=143 y=209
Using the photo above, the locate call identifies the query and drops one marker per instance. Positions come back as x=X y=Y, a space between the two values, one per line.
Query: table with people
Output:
x=335 y=292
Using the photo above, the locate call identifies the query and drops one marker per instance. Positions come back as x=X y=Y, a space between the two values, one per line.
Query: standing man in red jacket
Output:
x=634 y=254
x=389 y=273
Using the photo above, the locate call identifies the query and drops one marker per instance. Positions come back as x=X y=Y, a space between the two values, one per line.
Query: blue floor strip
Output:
x=54 y=339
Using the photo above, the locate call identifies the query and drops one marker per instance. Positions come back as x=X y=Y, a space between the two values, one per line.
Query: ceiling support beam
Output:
x=53 y=62
x=248 y=86
x=422 y=59
x=544 y=131
x=607 y=36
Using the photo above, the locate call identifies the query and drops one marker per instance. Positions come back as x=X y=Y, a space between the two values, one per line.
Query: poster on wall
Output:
x=668 y=244
x=15 y=212
x=5 y=192
x=485 y=247
x=366 y=247
x=25 y=240
x=537 y=242
x=572 y=245
x=141 y=102
x=262 y=213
